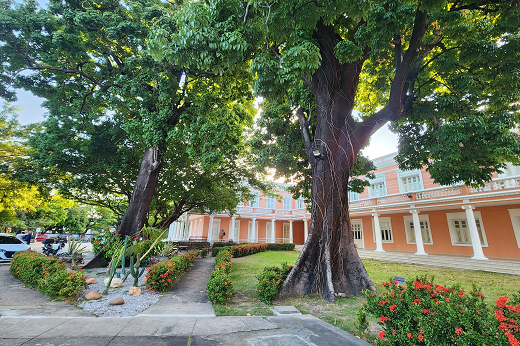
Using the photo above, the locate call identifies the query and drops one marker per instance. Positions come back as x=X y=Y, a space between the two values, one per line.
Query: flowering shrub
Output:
x=219 y=287
x=507 y=315
x=163 y=275
x=48 y=275
x=270 y=281
x=247 y=249
x=424 y=313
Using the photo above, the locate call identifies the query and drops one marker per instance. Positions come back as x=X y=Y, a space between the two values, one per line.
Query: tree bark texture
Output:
x=135 y=214
x=329 y=262
x=144 y=189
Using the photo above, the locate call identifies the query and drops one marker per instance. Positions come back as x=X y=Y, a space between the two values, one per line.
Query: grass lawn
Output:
x=343 y=313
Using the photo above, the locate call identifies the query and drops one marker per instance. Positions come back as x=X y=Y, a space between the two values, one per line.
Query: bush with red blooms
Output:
x=424 y=313
x=163 y=275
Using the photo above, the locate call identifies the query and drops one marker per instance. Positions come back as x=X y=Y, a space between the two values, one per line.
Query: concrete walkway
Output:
x=462 y=263
x=183 y=316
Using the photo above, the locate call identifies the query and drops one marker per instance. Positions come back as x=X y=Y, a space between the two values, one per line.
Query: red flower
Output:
x=426 y=311
x=458 y=331
x=383 y=319
x=420 y=337
x=409 y=335
x=392 y=307
x=381 y=335
x=417 y=301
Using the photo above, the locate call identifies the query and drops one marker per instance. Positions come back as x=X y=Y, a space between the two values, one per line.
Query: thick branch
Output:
x=307 y=140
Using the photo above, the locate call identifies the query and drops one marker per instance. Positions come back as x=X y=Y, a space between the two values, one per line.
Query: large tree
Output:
x=444 y=73
x=123 y=130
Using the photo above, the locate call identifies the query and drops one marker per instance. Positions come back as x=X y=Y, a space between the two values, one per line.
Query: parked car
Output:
x=43 y=236
x=9 y=244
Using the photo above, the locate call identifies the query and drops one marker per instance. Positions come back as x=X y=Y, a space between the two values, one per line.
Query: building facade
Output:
x=402 y=211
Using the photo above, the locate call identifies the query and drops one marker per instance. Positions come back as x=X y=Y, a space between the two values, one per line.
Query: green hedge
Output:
x=280 y=246
x=163 y=275
x=247 y=249
x=219 y=287
x=270 y=282
x=46 y=274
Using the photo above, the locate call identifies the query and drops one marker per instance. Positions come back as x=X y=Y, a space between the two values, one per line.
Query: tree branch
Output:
x=307 y=140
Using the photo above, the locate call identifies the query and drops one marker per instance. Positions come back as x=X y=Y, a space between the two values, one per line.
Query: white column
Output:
x=199 y=230
x=473 y=232
x=273 y=233
x=187 y=228
x=232 y=231
x=254 y=240
x=377 y=229
x=418 y=233
x=290 y=231
x=210 y=228
x=305 y=230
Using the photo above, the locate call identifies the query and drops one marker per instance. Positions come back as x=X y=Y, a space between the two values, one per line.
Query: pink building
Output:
x=401 y=211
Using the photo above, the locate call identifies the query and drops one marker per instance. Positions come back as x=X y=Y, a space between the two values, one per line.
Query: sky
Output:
x=383 y=142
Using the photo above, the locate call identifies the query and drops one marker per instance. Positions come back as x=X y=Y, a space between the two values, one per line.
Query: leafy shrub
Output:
x=215 y=250
x=203 y=253
x=219 y=287
x=46 y=274
x=62 y=284
x=270 y=282
x=107 y=241
x=280 y=246
x=247 y=249
x=163 y=275
x=423 y=313
x=507 y=317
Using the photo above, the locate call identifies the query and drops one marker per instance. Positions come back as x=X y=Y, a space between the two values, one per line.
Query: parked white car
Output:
x=9 y=244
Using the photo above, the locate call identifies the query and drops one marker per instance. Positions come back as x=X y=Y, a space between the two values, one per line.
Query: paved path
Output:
x=182 y=317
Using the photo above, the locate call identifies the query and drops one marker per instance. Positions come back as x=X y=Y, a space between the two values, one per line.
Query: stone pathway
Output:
x=187 y=298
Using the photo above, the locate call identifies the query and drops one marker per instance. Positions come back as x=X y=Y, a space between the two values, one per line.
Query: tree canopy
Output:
x=444 y=73
x=109 y=101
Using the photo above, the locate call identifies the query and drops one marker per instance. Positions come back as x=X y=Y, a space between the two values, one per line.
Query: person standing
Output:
x=27 y=237
x=222 y=234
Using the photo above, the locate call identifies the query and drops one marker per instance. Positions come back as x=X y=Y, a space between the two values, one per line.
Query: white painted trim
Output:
x=381 y=220
x=408 y=218
x=462 y=216
x=514 y=214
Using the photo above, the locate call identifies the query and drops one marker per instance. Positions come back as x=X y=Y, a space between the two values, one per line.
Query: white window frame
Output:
x=353 y=196
x=271 y=203
x=356 y=223
x=287 y=202
x=383 y=221
x=402 y=175
x=451 y=217
x=300 y=203
x=514 y=214
x=409 y=230
x=381 y=183
x=255 y=201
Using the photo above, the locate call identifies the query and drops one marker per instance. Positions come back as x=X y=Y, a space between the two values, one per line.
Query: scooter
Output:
x=52 y=248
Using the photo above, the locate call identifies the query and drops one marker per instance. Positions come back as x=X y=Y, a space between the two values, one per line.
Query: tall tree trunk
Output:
x=329 y=262
x=144 y=189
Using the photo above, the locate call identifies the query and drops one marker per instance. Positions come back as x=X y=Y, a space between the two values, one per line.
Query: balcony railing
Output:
x=270 y=211
x=508 y=183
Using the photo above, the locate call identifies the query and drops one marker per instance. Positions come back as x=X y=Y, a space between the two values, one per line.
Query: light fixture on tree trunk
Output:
x=316 y=153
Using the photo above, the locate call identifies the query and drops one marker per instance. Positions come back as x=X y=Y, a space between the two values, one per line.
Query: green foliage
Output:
x=425 y=313
x=203 y=253
x=108 y=100
x=280 y=246
x=270 y=282
x=46 y=274
x=247 y=249
x=163 y=275
x=219 y=288
x=107 y=241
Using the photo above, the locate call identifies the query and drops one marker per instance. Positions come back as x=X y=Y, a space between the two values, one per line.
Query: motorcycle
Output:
x=53 y=248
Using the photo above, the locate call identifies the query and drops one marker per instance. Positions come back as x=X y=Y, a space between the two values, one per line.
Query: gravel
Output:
x=133 y=304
